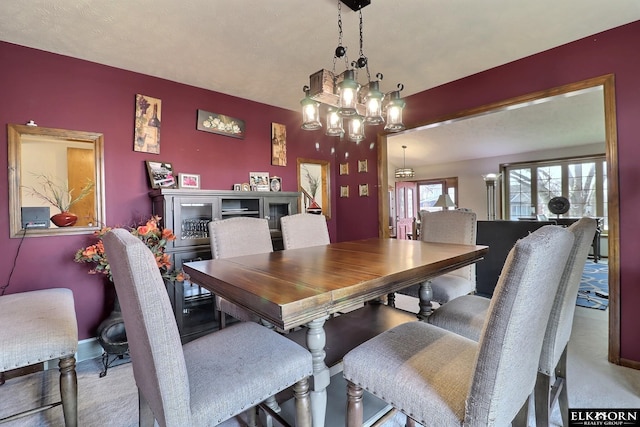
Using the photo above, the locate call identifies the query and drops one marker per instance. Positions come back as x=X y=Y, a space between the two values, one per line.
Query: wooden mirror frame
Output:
x=325 y=185
x=15 y=134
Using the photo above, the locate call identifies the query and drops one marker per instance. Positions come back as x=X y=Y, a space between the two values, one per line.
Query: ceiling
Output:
x=265 y=50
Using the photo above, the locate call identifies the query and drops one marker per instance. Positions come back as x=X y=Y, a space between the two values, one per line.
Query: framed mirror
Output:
x=313 y=183
x=51 y=171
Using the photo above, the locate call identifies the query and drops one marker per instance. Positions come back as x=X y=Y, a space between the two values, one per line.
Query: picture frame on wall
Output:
x=363 y=190
x=161 y=174
x=259 y=181
x=147 y=124
x=344 y=191
x=313 y=182
x=362 y=166
x=344 y=168
x=188 y=180
x=278 y=144
x=220 y=124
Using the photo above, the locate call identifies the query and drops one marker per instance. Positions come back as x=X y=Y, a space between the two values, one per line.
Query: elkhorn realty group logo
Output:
x=604 y=417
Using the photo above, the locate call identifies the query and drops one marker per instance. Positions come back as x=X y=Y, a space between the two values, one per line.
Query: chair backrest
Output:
x=561 y=318
x=451 y=227
x=154 y=341
x=239 y=236
x=304 y=230
x=514 y=329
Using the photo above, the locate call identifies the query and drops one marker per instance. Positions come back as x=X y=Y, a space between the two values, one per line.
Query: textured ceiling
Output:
x=265 y=50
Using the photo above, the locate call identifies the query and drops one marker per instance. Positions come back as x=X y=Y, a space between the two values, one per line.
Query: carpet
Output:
x=594 y=285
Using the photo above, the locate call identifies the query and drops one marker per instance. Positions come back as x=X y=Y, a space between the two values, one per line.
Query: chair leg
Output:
x=522 y=417
x=563 y=398
x=303 y=403
x=223 y=319
x=391 y=299
x=145 y=416
x=355 y=410
x=69 y=390
x=542 y=399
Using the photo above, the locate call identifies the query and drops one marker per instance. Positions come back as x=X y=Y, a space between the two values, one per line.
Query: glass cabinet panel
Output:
x=191 y=217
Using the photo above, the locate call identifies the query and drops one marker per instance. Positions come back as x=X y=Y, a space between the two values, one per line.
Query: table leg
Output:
x=426 y=295
x=316 y=340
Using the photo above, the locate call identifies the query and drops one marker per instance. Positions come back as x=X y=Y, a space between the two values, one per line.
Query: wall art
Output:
x=278 y=144
x=147 y=125
x=313 y=182
x=363 y=190
x=344 y=191
x=344 y=168
x=362 y=165
x=161 y=174
x=188 y=180
x=220 y=124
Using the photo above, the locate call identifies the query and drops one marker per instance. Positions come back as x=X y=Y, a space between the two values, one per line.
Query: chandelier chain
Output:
x=340 y=50
x=362 y=57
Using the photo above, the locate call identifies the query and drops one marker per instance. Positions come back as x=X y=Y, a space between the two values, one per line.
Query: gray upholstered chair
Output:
x=466 y=315
x=39 y=326
x=210 y=379
x=437 y=377
x=304 y=230
x=454 y=226
x=233 y=237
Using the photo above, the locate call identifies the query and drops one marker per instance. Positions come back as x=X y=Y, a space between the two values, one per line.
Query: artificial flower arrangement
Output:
x=150 y=233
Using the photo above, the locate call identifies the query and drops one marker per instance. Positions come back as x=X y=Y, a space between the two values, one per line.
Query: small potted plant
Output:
x=60 y=196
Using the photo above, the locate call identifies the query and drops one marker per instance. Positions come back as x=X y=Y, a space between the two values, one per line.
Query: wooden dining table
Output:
x=297 y=287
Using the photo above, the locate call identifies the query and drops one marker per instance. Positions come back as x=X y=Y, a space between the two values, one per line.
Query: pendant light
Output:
x=405 y=172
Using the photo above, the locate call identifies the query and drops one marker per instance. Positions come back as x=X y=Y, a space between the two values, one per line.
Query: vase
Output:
x=64 y=219
x=314 y=207
x=112 y=337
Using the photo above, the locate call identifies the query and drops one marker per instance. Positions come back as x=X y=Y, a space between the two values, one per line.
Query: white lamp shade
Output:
x=445 y=202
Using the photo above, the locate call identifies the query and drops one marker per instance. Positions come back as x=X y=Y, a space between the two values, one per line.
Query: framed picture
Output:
x=259 y=181
x=344 y=168
x=344 y=191
x=188 y=180
x=237 y=187
x=278 y=144
x=161 y=174
x=363 y=190
x=275 y=183
x=147 y=125
x=246 y=186
x=220 y=124
x=362 y=165
x=313 y=182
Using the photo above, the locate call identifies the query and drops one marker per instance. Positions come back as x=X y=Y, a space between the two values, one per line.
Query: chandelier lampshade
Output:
x=404 y=172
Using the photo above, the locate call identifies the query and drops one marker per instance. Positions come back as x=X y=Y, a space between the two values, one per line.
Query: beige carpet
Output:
x=112 y=401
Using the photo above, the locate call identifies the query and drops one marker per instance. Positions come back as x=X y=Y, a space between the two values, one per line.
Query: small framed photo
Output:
x=362 y=165
x=275 y=183
x=344 y=168
x=363 y=190
x=259 y=181
x=344 y=191
x=246 y=186
x=161 y=174
x=188 y=180
x=237 y=187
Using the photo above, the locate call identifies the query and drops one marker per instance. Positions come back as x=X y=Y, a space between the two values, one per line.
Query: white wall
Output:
x=471 y=186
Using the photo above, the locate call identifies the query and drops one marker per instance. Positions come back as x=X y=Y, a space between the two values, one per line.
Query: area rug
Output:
x=594 y=285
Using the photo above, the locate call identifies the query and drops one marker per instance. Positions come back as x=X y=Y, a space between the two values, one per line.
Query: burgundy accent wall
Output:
x=611 y=52
x=62 y=92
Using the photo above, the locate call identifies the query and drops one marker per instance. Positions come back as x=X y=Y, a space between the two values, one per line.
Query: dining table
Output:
x=305 y=287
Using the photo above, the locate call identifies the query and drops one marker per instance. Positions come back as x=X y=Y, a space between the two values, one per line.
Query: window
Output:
x=581 y=180
x=430 y=190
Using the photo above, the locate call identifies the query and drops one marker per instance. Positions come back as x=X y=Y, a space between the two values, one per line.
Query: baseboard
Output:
x=87 y=349
x=633 y=364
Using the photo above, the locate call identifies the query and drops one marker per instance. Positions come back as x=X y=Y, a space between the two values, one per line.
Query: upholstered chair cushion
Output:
x=303 y=230
x=440 y=378
x=210 y=379
x=38 y=326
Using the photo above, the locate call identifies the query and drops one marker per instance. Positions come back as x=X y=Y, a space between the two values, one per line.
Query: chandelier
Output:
x=346 y=99
x=405 y=172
